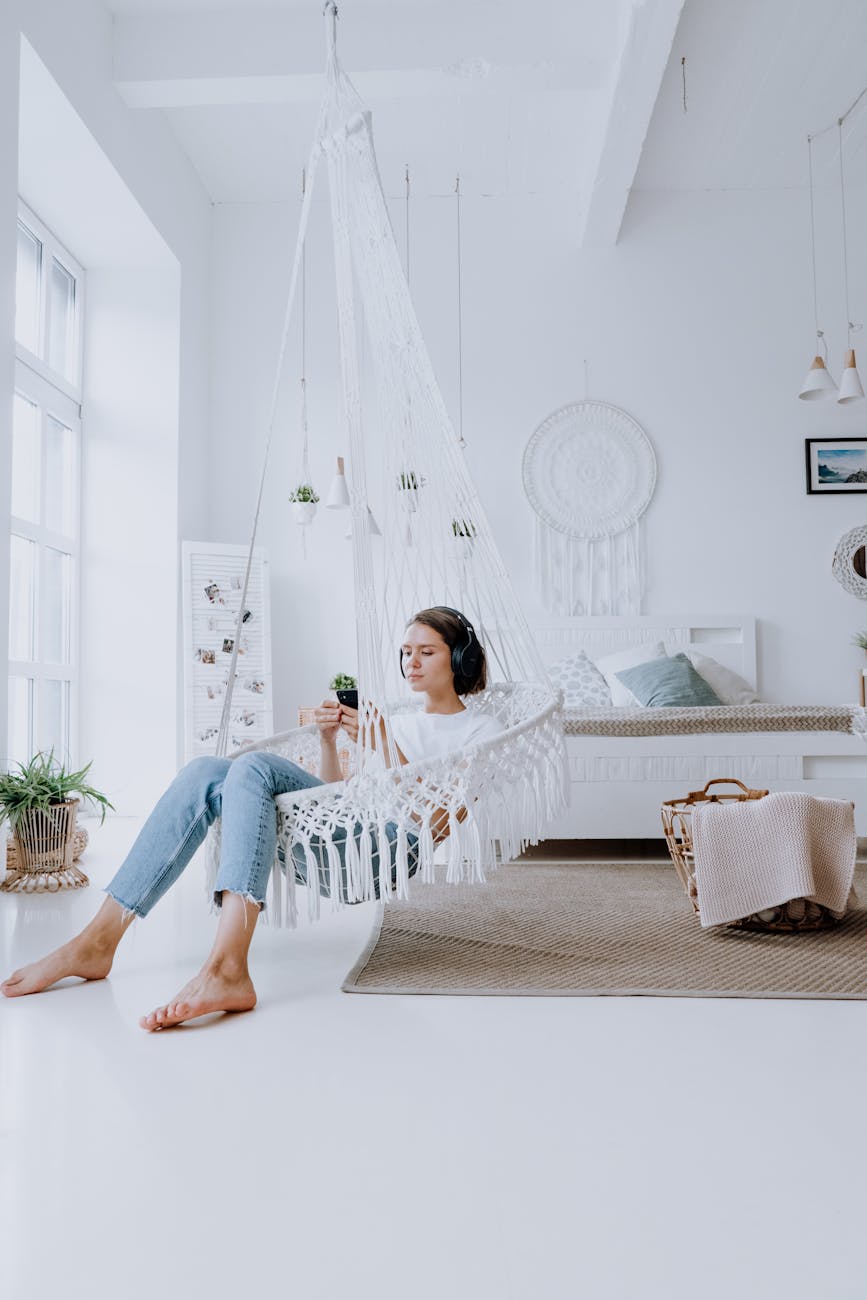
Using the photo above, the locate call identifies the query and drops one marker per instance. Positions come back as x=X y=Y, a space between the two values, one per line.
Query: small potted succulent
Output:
x=408 y=484
x=304 y=498
x=345 y=687
x=40 y=801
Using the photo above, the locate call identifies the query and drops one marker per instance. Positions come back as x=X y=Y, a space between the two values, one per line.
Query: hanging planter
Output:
x=408 y=484
x=303 y=499
x=463 y=537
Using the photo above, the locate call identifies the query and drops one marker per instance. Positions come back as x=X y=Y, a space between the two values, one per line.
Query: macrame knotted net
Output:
x=436 y=549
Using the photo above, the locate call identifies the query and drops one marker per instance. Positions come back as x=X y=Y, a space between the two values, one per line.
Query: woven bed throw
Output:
x=751 y=856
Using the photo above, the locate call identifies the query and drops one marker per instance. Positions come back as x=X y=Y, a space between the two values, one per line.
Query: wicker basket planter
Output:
x=799 y=914
x=44 y=852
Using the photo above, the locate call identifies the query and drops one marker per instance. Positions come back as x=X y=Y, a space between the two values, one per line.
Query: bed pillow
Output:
x=581 y=682
x=610 y=665
x=668 y=684
x=731 y=688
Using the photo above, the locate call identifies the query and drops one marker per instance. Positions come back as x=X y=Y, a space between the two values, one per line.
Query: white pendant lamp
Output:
x=818 y=383
x=338 y=493
x=851 y=389
x=850 y=383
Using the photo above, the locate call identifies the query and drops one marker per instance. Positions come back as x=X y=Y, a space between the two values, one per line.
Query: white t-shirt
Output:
x=432 y=735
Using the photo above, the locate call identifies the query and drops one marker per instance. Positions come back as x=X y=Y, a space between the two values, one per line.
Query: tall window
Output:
x=46 y=458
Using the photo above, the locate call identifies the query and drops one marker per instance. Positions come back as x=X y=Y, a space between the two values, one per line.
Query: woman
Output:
x=441 y=658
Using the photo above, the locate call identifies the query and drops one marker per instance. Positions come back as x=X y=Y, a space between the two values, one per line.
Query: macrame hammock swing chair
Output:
x=499 y=794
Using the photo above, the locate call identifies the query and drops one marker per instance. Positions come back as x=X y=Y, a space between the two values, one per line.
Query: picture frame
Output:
x=836 y=466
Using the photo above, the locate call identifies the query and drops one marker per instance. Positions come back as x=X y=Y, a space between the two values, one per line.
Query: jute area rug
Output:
x=589 y=929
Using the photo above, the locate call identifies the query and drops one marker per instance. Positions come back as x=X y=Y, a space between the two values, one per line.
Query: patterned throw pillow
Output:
x=581 y=682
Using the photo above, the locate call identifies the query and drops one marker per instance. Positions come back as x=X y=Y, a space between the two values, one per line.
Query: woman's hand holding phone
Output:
x=349 y=721
x=328 y=721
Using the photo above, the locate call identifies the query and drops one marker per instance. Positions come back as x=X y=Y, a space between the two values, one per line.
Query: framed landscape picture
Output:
x=836 y=465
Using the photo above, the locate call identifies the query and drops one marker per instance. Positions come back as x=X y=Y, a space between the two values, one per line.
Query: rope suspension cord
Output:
x=305 y=452
x=461 y=439
x=313 y=162
x=407 y=222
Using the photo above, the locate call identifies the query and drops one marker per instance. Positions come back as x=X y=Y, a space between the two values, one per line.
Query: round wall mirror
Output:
x=850 y=562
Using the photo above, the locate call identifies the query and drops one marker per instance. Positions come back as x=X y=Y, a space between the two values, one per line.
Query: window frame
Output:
x=52 y=249
x=55 y=398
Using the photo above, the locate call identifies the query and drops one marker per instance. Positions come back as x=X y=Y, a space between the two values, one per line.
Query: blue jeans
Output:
x=242 y=791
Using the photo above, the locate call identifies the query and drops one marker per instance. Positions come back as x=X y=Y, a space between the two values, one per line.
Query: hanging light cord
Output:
x=820 y=334
x=851 y=326
x=461 y=439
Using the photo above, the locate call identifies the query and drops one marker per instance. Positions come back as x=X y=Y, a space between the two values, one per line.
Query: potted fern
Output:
x=40 y=801
x=303 y=498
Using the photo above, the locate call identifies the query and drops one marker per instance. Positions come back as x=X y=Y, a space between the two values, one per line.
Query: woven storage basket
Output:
x=789 y=918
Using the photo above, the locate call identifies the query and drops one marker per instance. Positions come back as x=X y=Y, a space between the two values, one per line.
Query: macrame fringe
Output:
x=577 y=575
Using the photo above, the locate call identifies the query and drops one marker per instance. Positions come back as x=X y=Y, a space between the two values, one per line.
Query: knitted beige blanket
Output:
x=751 y=856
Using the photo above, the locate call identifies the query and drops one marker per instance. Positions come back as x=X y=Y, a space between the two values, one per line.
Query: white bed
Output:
x=619 y=782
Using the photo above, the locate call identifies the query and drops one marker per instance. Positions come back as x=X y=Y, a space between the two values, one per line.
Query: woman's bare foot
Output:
x=84 y=957
x=215 y=988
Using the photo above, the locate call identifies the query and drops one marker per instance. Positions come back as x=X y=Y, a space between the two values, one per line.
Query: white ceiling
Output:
x=520 y=96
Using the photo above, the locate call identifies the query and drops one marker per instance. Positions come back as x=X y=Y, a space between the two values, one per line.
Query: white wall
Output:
x=698 y=323
x=117 y=188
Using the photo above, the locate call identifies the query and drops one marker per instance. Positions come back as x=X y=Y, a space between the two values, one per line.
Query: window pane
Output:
x=20 y=741
x=59 y=512
x=52 y=729
x=55 y=586
x=25 y=460
x=27 y=282
x=61 y=352
x=21 y=598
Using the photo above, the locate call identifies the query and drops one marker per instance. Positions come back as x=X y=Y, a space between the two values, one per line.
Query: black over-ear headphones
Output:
x=466 y=659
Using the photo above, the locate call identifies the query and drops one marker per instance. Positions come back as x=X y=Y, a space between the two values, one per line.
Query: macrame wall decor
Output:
x=589 y=474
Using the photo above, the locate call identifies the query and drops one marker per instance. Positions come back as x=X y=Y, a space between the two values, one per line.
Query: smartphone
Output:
x=349 y=698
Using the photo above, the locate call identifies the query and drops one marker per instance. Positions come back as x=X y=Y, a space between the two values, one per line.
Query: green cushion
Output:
x=668 y=684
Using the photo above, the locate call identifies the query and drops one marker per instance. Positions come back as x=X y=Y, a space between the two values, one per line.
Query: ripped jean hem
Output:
x=217 y=897
x=129 y=913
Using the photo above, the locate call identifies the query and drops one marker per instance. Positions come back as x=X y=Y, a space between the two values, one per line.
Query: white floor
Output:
x=342 y=1146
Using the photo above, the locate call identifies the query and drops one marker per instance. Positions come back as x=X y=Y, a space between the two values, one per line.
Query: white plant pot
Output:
x=408 y=498
x=303 y=511
x=463 y=547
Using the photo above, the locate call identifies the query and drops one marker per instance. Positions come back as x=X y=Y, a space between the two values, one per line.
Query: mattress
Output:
x=845 y=718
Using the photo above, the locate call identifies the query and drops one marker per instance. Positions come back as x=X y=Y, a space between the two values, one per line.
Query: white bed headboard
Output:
x=728 y=638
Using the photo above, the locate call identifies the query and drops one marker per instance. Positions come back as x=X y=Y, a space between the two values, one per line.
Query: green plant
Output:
x=409 y=481
x=304 y=492
x=41 y=783
x=342 y=682
x=463 y=528
x=860 y=640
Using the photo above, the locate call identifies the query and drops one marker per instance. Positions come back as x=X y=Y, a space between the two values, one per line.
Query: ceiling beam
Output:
x=648 y=36
x=170 y=60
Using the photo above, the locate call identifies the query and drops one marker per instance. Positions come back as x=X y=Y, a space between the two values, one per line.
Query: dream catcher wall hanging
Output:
x=589 y=473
